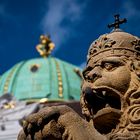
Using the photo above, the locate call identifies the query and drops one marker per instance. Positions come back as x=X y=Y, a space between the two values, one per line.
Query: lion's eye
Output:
x=85 y=75
x=109 y=66
x=86 y=71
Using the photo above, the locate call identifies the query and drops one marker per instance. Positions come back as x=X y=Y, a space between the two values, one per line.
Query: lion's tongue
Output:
x=107 y=110
x=106 y=119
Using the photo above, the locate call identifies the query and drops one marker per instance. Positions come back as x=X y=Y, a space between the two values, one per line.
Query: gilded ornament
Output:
x=46 y=46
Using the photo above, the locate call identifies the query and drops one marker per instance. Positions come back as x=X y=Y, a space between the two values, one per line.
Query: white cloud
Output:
x=57 y=12
x=2 y=10
x=5 y=15
x=130 y=10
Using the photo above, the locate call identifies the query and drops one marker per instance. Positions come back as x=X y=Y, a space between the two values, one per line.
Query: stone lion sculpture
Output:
x=110 y=98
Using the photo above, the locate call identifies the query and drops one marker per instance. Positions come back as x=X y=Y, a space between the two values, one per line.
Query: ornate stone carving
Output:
x=136 y=44
x=111 y=88
x=110 y=98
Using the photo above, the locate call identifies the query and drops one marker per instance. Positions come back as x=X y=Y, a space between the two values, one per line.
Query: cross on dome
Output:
x=117 y=22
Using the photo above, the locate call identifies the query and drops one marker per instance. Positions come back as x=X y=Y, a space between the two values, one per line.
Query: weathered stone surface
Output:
x=111 y=86
x=110 y=97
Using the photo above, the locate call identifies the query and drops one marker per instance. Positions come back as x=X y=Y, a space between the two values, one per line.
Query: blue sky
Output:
x=72 y=24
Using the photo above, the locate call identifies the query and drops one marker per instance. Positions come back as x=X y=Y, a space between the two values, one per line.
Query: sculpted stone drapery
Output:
x=110 y=98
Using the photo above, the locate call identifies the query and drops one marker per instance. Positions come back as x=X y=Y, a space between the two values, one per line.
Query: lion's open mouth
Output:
x=105 y=105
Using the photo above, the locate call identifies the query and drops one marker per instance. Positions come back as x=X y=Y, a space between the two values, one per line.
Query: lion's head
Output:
x=110 y=90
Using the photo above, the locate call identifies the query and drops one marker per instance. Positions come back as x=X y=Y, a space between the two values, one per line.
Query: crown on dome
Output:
x=46 y=46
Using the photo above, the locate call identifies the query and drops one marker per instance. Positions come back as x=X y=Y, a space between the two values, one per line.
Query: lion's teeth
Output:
x=94 y=91
x=107 y=105
x=104 y=93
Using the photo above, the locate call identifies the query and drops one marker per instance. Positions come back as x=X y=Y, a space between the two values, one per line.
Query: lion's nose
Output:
x=94 y=74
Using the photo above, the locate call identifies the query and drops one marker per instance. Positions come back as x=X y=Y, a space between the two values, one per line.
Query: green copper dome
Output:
x=48 y=78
